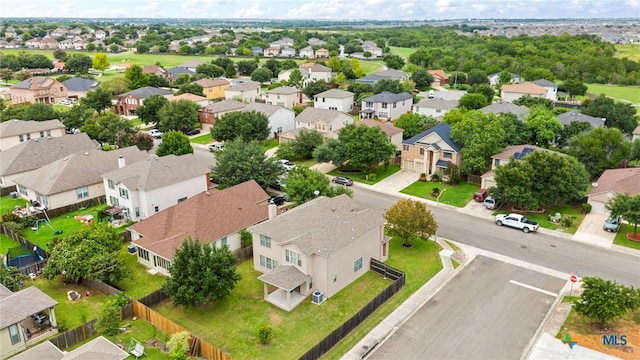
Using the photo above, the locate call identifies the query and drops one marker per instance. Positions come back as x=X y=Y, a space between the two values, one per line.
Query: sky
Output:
x=323 y=9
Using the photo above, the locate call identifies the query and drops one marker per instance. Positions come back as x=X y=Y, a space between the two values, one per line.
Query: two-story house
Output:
x=386 y=105
x=436 y=108
x=515 y=152
x=33 y=154
x=213 y=217
x=512 y=92
x=394 y=134
x=128 y=102
x=322 y=245
x=322 y=53
x=307 y=53
x=494 y=79
x=245 y=92
x=38 y=89
x=271 y=51
x=327 y=122
x=280 y=118
x=208 y=114
x=334 y=99
x=312 y=72
x=286 y=96
x=213 y=89
x=431 y=151
x=550 y=87
x=288 y=52
x=74 y=178
x=14 y=132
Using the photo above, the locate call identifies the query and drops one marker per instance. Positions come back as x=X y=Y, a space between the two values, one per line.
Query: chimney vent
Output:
x=121 y=162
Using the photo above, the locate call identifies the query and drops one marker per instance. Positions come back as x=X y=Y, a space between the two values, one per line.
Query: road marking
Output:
x=533 y=288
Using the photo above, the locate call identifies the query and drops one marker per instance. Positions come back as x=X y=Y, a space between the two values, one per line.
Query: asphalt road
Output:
x=482 y=314
x=555 y=253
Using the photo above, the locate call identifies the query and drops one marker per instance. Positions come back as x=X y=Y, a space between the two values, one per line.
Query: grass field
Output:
x=629 y=51
x=402 y=51
x=456 y=195
x=628 y=93
x=141 y=282
x=368 y=179
x=231 y=324
x=6 y=243
x=621 y=239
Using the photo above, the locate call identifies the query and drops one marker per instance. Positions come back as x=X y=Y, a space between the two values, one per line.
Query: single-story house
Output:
x=431 y=151
x=512 y=92
x=213 y=217
x=298 y=255
x=389 y=74
x=611 y=183
x=567 y=118
x=14 y=132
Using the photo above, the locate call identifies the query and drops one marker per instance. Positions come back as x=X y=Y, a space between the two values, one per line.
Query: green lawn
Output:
x=564 y=210
x=232 y=323
x=630 y=51
x=7 y=204
x=136 y=123
x=270 y=144
x=621 y=240
x=371 y=66
x=628 y=93
x=141 y=282
x=382 y=173
x=456 y=195
x=202 y=139
x=402 y=51
x=71 y=313
x=6 y=243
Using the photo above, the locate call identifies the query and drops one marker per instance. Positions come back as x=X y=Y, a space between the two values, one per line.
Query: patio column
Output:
x=52 y=317
x=288 y=299
x=265 y=291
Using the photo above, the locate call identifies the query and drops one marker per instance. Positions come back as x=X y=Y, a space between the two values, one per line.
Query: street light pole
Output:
x=437 y=207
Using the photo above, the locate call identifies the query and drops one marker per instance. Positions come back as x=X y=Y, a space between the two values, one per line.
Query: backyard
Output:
x=297 y=331
x=626 y=93
x=456 y=195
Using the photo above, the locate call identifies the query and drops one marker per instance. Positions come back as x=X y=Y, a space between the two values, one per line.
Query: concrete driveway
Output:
x=590 y=231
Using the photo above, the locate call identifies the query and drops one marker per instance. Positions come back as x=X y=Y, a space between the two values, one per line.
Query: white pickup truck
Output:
x=516 y=221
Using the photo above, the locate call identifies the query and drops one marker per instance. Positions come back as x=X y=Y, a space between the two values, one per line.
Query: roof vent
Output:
x=86 y=153
x=594 y=184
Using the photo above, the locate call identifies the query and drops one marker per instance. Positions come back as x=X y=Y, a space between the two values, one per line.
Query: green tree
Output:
x=628 y=207
x=69 y=255
x=40 y=112
x=505 y=78
x=359 y=88
x=574 y=128
x=635 y=150
x=60 y=55
x=182 y=79
x=410 y=218
x=534 y=73
x=240 y=162
x=413 y=123
x=115 y=86
x=174 y=142
x=394 y=61
x=157 y=82
x=192 y=88
x=230 y=71
x=104 y=128
x=178 y=345
x=618 y=115
x=136 y=77
x=76 y=116
x=600 y=149
x=108 y=323
x=210 y=70
x=480 y=136
x=149 y=111
x=422 y=78
x=544 y=126
x=98 y=99
x=366 y=147
x=392 y=86
x=605 y=300
x=78 y=63
x=484 y=89
x=11 y=278
x=473 y=101
x=516 y=131
x=178 y=115
x=303 y=183
x=477 y=76
x=6 y=74
x=200 y=274
x=261 y=75
x=531 y=102
x=100 y=62
x=315 y=87
x=332 y=151
x=574 y=87
x=246 y=67
x=250 y=125
x=142 y=140
x=306 y=142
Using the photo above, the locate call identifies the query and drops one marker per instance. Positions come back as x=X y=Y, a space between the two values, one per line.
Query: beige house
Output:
x=515 y=152
x=200 y=100
x=327 y=122
x=31 y=155
x=320 y=246
x=512 y=92
x=635 y=134
x=431 y=151
x=440 y=78
x=285 y=96
x=74 y=178
x=18 y=328
x=245 y=92
x=213 y=89
x=38 y=89
x=394 y=134
x=14 y=132
x=334 y=99
x=611 y=183
x=213 y=217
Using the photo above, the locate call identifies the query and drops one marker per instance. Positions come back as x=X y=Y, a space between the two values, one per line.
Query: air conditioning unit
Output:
x=317 y=297
x=14 y=194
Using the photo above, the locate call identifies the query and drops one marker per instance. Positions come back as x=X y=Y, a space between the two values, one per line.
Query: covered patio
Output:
x=289 y=281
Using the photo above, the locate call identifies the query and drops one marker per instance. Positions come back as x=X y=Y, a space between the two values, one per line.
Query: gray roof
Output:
x=157 y=172
x=545 y=83
x=266 y=109
x=500 y=107
x=243 y=87
x=77 y=170
x=43 y=351
x=449 y=94
x=191 y=63
x=371 y=77
x=177 y=71
x=16 y=127
x=17 y=306
x=569 y=117
x=284 y=90
x=311 y=115
x=438 y=104
x=97 y=349
x=284 y=277
x=335 y=94
x=225 y=105
x=388 y=97
x=39 y=152
x=342 y=222
x=443 y=130
x=391 y=74
x=80 y=84
x=146 y=91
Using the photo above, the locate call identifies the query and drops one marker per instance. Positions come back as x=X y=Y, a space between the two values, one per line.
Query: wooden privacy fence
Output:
x=343 y=330
x=74 y=336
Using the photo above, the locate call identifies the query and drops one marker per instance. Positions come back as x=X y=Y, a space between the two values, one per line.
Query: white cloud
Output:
x=255 y=11
x=67 y=7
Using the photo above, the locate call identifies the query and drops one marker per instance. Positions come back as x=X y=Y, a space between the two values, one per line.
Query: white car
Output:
x=155 y=133
x=287 y=165
x=66 y=102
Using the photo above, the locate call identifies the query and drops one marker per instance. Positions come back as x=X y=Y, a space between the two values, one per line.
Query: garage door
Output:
x=598 y=207
x=407 y=165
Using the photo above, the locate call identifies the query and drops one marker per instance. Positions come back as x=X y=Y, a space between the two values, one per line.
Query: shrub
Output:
x=16 y=227
x=423 y=177
x=265 y=333
x=435 y=192
x=566 y=221
x=178 y=345
x=586 y=208
x=454 y=177
x=246 y=238
x=372 y=177
x=435 y=177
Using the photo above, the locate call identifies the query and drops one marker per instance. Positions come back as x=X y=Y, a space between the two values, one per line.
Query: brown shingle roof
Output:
x=524 y=88
x=207 y=216
x=186 y=96
x=619 y=181
x=387 y=128
x=510 y=151
x=438 y=73
x=205 y=83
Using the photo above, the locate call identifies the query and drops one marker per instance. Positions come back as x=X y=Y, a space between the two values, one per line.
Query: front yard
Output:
x=621 y=239
x=371 y=178
x=232 y=323
x=573 y=211
x=456 y=195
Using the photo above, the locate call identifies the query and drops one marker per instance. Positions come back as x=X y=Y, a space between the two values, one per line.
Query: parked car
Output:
x=481 y=195
x=288 y=165
x=516 y=221
x=342 y=180
x=612 y=224
x=278 y=199
x=216 y=147
x=491 y=203
x=72 y=130
x=155 y=133
x=192 y=132
x=278 y=185
x=66 y=102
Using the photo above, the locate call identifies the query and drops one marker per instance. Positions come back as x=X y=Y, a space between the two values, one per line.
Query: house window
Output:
x=43 y=199
x=497 y=162
x=182 y=199
x=293 y=257
x=369 y=104
x=223 y=241
x=333 y=108
x=137 y=212
x=268 y=262
x=405 y=147
x=41 y=133
x=384 y=105
x=279 y=129
x=265 y=241
x=394 y=105
x=448 y=155
x=21 y=137
x=111 y=184
x=22 y=190
x=143 y=253
x=438 y=110
x=15 y=335
x=421 y=151
x=82 y=192
x=124 y=193
x=156 y=208
x=357 y=265
x=161 y=262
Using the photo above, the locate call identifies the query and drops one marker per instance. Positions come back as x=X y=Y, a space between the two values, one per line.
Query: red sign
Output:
x=573 y=278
